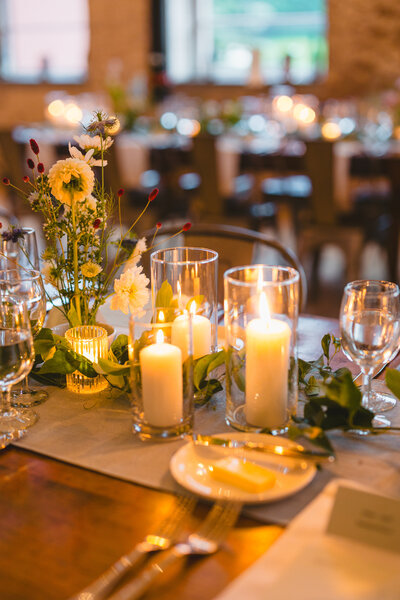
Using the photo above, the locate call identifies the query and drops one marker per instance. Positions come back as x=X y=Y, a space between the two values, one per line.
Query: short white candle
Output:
x=201 y=327
x=267 y=366
x=162 y=390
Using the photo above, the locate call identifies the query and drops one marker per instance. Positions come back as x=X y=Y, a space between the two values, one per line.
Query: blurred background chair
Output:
x=236 y=246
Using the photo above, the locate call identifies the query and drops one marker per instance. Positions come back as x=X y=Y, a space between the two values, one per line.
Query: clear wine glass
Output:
x=370 y=330
x=19 y=249
x=26 y=286
x=16 y=360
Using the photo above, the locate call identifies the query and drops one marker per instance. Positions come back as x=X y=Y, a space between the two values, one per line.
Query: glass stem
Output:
x=366 y=389
x=5 y=402
x=25 y=385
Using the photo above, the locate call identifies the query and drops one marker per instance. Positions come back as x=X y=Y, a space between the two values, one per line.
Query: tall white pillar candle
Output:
x=162 y=389
x=267 y=367
x=201 y=327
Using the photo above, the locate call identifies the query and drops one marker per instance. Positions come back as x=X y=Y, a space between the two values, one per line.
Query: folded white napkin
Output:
x=306 y=563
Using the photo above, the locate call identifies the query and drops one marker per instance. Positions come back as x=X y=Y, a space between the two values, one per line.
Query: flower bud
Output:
x=34 y=146
x=40 y=168
x=153 y=194
x=30 y=163
x=96 y=223
x=6 y=181
x=120 y=192
x=26 y=179
x=158 y=225
x=186 y=227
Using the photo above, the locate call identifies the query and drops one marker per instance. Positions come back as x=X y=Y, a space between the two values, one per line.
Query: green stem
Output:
x=75 y=258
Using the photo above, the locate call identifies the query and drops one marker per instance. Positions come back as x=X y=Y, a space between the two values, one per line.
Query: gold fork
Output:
x=205 y=541
x=164 y=535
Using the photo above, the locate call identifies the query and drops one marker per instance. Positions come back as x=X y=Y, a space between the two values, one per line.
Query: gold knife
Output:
x=295 y=451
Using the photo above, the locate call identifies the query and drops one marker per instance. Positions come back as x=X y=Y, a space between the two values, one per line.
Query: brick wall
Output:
x=364 y=39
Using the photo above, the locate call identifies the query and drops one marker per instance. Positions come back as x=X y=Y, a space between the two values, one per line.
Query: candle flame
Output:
x=160 y=337
x=193 y=307
x=161 y=316
x=264 y=311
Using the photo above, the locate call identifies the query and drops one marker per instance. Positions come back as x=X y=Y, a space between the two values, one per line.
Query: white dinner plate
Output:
x=190 y=467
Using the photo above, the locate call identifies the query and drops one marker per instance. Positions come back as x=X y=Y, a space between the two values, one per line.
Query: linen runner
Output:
x=94 y=432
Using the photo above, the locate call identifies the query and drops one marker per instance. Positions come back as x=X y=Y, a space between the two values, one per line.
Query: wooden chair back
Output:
x=319 y=166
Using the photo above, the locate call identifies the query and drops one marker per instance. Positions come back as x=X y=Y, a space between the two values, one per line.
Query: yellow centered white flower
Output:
x=91 y=269
x=131 y=292
x=48 y=273
x=71 y=180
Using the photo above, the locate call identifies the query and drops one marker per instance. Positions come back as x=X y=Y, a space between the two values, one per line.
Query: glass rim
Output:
x=294 y=275
x=27 y=272
x=101 y=335
x=359 y=285
x=202 y=261
x=150 y=325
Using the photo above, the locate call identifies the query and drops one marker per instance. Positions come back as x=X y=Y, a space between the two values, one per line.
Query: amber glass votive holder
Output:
x=91 y=341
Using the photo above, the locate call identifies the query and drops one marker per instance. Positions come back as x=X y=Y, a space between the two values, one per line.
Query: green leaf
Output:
x=200 y=369
x=164 y=295
x=344 y=391
x=209 y=388
x=325 y=343
x=304 y=369
x=109 y=367
x=57 y=364
x=72 y=317
x=392 y=379
x=119 y=348
x=220 y=358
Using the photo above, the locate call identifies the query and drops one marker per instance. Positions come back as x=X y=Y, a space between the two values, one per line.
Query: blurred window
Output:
x=233 y=41
x=44 y=41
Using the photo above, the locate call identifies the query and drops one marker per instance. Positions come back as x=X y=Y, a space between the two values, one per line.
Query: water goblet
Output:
x=26 y=286
x=370 y=329
x=16 y=360
x=19 y=249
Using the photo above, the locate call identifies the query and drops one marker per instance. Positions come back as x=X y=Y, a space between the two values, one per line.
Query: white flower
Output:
x=71 y=180
x=86 y=142
x=141 y=246
x=88 y=157
x=91 y=269
x=131 y=292
x=48 y=273
x=90 y=202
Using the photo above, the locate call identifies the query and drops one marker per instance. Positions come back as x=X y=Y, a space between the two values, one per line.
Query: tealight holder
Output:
x=91 y=341
x=261 y=313
x=184 y=280
x=161 y=379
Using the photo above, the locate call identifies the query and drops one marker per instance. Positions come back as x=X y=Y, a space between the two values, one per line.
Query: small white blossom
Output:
x=131 y=292
x=88 y=157
x=141 y=246
x=86 y=142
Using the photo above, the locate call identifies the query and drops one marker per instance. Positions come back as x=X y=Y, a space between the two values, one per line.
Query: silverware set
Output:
x=205 y=541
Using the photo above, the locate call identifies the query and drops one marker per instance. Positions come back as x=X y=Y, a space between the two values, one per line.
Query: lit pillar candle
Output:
x=201 y=327
x=267 y=366
x=162 y=390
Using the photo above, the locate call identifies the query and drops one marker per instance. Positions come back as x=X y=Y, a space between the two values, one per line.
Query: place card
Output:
x=367 y=518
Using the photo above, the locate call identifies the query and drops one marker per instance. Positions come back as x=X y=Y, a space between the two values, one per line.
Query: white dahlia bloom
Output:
x=141 y=246
x=87 y=142
x=131 y=292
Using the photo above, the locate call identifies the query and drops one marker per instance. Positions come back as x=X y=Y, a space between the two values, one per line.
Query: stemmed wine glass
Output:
x=18 y=248
x=26 y=286
x=370 y=330
x=16 y=360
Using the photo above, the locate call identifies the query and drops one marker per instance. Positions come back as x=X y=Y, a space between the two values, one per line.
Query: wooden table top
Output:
x=62 y=526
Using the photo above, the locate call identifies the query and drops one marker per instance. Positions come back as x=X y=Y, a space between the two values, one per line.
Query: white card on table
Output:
x=367 y=518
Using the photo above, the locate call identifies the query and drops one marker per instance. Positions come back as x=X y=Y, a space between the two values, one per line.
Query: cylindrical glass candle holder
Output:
x=91 y=341
x=185 y=280
x=261 y=312
x=161 y=381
